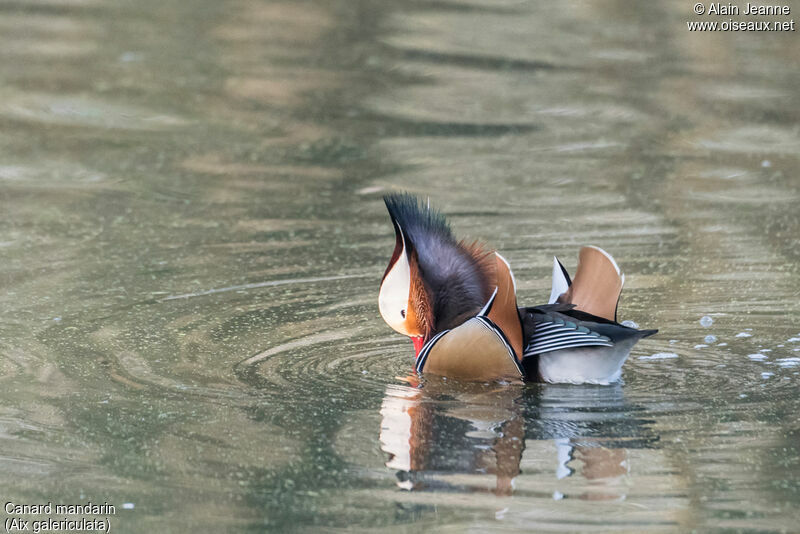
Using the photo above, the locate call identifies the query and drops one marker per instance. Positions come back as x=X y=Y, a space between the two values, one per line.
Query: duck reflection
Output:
x=450 y=429
x=448 y=436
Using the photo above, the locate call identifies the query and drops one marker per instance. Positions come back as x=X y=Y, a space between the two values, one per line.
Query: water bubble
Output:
x=757 y=357
x=706 y=321
x=128 y=506
x=700 y=346
x=767 y=374
x=710 y=338
x=766 y=164
x=127 y=57
x=630 y=324
x=744 y=334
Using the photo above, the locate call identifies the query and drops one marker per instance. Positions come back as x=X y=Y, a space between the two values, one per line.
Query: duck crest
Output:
x=456 y=276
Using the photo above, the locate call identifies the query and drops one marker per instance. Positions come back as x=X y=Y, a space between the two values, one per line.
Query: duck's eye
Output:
x=403 y=313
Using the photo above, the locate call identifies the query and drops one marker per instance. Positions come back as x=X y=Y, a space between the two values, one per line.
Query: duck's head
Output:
x=432 y=282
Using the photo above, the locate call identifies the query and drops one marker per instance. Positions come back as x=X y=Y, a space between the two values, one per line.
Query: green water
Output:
x=192 y=236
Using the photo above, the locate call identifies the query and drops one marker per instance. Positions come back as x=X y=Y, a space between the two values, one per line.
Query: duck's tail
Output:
x=596 y=286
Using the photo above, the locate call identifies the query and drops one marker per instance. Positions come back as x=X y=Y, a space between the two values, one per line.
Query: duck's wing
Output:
x=596 y=286
x=550 y=331
x=561 y=326
x=561 y=281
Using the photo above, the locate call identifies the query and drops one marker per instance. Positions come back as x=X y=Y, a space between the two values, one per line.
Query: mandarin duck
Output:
x=456 y=300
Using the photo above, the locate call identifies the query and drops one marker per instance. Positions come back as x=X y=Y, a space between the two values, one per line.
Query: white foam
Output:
x=744 y=334
x=660 y=356
x=757 y=357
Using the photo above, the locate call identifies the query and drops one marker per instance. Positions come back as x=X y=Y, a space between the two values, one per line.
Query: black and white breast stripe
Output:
x=423 y=354
x=558 y=334
x=486 y=322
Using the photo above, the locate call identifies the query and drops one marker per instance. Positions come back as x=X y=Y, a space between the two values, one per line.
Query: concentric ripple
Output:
x=330 y=360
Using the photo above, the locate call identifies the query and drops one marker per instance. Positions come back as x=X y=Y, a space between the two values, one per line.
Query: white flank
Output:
x=590 y=365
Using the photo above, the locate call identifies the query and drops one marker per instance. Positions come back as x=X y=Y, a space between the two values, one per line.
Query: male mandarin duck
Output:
x=457 y=303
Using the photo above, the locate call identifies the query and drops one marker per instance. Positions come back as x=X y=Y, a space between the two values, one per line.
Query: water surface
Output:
x=191 y=239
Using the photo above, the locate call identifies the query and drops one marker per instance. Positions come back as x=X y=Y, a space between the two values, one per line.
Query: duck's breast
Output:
x=476 y=350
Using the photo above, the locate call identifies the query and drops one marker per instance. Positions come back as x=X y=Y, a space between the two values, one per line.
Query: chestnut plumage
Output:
x=457 y=301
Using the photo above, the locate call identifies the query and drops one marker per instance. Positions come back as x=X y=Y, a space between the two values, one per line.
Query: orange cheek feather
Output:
x=418 y=315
